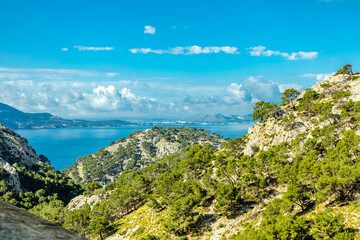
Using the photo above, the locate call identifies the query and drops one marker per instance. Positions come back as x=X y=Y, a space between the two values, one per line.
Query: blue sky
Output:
x=168 y=59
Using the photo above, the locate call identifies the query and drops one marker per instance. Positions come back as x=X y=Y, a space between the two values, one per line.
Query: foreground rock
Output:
x=16 y=223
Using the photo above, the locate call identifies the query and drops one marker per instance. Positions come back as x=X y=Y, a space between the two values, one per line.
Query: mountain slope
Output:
x=140 y=149
x=14 y=118
x=295 y=175
x=319 y=106
x=27 y=179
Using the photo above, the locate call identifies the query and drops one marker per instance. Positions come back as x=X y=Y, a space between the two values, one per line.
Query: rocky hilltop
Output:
x=140 y=149
x=330 y=95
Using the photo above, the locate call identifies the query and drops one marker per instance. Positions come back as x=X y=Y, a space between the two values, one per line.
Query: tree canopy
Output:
x=263 y=109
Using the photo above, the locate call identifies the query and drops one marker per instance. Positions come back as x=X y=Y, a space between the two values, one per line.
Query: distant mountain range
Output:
x=14 y=118
x=17 y=119
x=218 y=119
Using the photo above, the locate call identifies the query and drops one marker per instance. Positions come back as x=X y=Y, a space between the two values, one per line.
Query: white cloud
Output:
x=241 y=97
x=75 y=99
x=84 y=48
x=261 y=51
x=318 y=76
x=258 y=88
x=283 y=87
x=189 y=50
x=64 y=49
x=111 y=74
x=12 y=76
x=149 y=29
x=49 y=73
x=120 y=99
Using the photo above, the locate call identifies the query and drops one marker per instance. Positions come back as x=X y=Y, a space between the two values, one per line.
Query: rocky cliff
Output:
x=14 y=149
x=27 y=179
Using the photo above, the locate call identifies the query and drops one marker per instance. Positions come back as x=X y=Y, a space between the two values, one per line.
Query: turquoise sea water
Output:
x=64 y=145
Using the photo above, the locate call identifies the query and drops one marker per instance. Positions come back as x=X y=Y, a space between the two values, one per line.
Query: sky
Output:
x=168 y=59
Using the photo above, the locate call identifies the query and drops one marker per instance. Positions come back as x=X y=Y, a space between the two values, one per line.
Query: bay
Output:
x=64 y=145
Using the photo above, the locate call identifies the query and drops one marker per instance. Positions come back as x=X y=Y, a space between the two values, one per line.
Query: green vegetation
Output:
x=346 y=69
x=264 y=109
x=182 y=186
x=137 y=151
x=289 y=96
x=42 y=184
x=38 y=182
x=302 y=188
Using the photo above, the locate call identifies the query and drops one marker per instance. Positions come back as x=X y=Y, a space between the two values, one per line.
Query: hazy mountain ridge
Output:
x=15 y=119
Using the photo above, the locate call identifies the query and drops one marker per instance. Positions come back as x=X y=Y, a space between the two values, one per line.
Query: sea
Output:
x=62 y=146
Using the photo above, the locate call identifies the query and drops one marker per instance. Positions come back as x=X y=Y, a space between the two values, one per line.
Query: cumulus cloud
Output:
x=261 y=51
x=149 y=29
x=235 y=98
x=125 y=98
x=64 y=49
x=84 y=48
x=189 y=50
x=258 y=88
x=75 y=98
x=318 y=76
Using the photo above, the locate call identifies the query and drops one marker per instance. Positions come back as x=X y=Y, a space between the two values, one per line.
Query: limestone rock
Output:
x=15 y=149
x=79 y=201
x=16 y=223
x=273 y=132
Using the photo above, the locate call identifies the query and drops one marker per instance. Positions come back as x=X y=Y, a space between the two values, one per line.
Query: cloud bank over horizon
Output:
x=131 y=99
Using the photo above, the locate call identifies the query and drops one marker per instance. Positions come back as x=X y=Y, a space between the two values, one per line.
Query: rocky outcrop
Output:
x=79 y=201
x=14 y=149
x=273 y=131
x=16 y=223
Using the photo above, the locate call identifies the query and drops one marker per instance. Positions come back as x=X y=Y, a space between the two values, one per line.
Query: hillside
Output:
x=27 y=179
x=15 y=119
x=140 y=149
x=295 y=175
